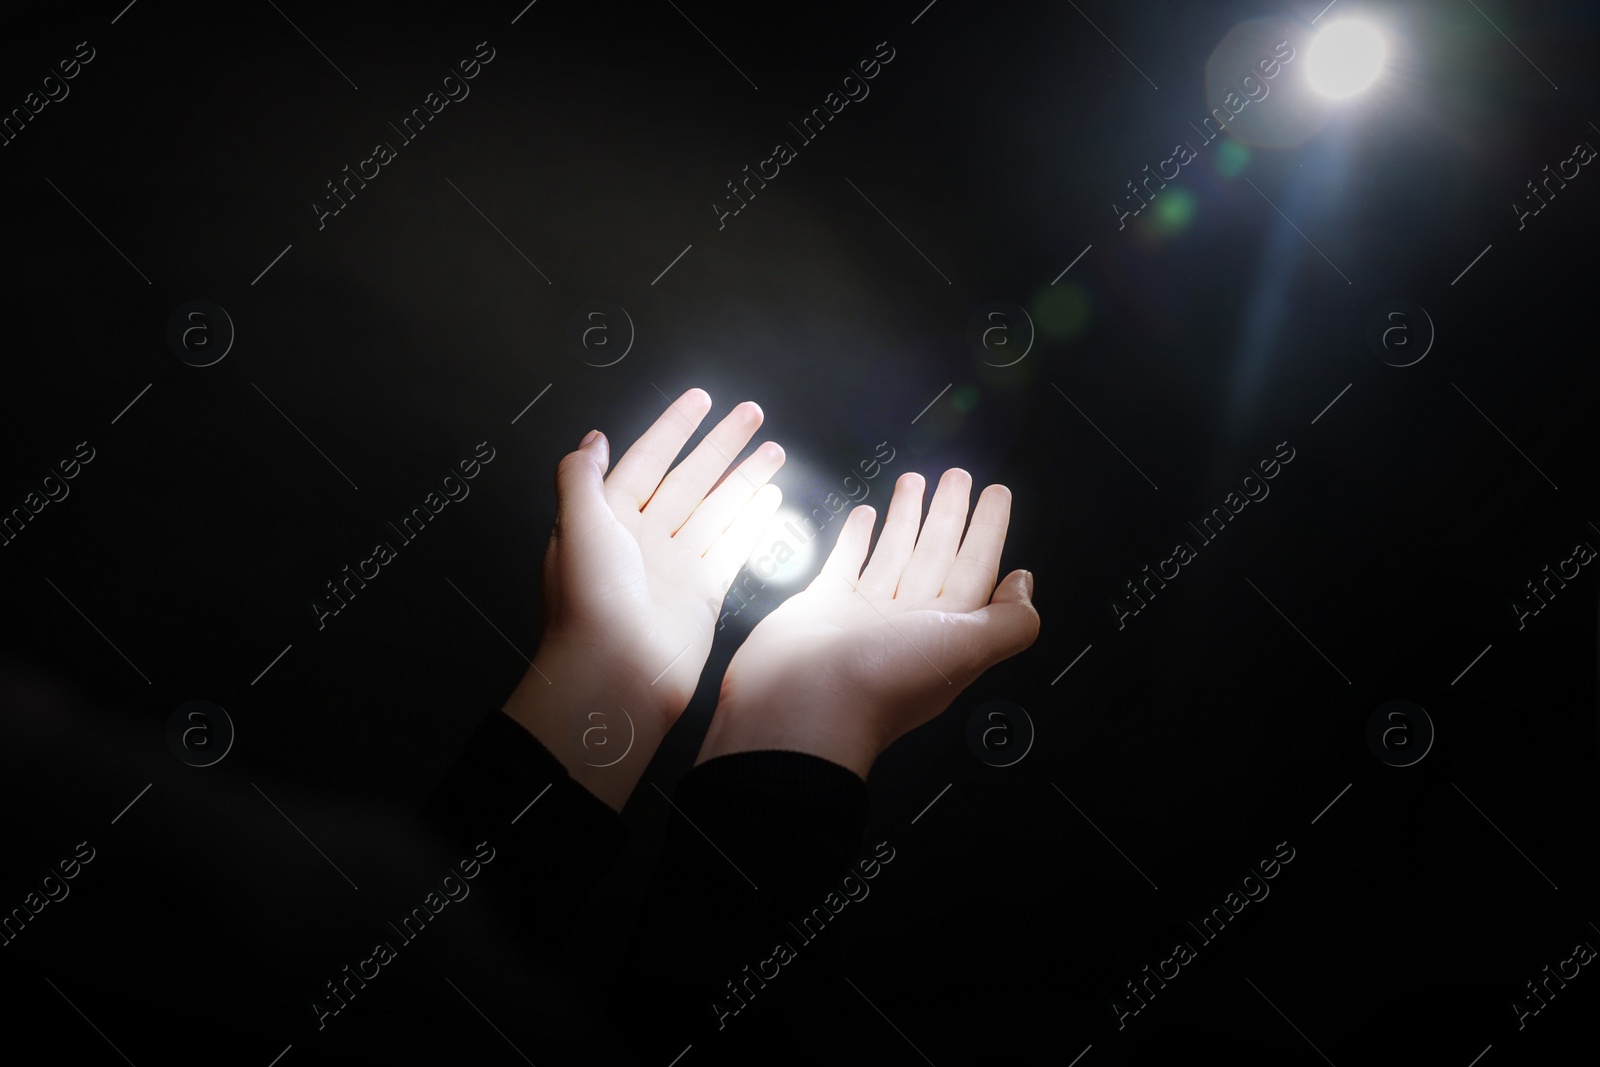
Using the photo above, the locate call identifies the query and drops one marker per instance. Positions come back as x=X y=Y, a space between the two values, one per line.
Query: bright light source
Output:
x=1345 y=58
x=784 y=553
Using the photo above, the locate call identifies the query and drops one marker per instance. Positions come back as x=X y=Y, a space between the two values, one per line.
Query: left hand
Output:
x=634 y=578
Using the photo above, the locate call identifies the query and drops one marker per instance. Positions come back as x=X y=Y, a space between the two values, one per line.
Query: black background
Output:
x=408 y=330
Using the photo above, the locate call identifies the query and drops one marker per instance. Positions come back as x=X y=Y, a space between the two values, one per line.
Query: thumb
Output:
x=1009 y=622
x=580 y=485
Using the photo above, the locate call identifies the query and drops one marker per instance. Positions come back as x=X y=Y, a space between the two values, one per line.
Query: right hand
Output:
x=860 y=658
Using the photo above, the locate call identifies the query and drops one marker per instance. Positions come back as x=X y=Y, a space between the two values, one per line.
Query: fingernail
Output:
x=588 y=438
x=1027 y=582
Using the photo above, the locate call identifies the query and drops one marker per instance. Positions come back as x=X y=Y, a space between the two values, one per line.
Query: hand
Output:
x=860 y=658
x=634 y=578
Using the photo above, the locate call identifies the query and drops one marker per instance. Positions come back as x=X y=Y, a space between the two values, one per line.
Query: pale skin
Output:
x=634 y=578
x=864 y=656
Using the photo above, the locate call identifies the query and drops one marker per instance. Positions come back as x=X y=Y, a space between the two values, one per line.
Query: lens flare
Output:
x=1062 y=311
x=1345 y=58
x=1231 y=158
x=1173 y=212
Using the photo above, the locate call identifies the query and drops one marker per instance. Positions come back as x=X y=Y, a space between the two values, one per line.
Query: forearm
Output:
x=602 y=723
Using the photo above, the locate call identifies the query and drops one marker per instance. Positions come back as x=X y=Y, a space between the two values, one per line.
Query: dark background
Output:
x=408 y=330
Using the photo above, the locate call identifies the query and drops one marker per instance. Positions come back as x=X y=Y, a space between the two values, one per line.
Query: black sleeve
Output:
x=753 y=858
x=553 y=840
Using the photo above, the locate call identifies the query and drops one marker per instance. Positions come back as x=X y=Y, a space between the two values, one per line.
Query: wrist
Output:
x=592 y=672
x=600 y=721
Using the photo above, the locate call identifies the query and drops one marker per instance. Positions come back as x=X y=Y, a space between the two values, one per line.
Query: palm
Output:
x=652 y=596
x=869 y=653
x=639 y=564
x=893 y=643
x=835 y=624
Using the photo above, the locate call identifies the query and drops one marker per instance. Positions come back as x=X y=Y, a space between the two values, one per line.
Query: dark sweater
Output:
x=722 y=958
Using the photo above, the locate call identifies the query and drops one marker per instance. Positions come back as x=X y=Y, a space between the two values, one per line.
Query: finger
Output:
x=691 y=480
x=717 y=511
x=733 y=548
x=643 y=466
x=940 y=537
x=849 y=552
x=1007 y=625
x=580 y=487
x=898 y=538
x=971 y=578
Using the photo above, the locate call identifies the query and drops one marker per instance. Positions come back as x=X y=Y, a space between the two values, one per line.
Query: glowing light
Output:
x=1345 y=58
x=1061 y=311
x=1173 y=211
x=1231 y=158
x=785 y=550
